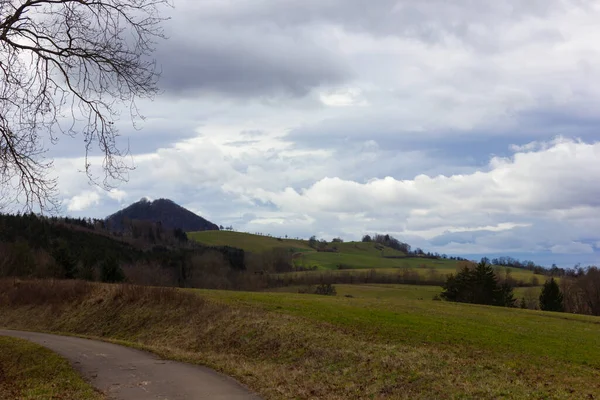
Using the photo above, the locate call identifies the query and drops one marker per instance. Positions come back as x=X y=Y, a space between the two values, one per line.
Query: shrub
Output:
x=326 y=289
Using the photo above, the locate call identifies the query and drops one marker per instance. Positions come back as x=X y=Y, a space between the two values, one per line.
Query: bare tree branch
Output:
x=69 y=67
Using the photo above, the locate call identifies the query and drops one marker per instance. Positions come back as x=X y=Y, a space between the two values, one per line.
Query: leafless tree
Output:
x=71 y=67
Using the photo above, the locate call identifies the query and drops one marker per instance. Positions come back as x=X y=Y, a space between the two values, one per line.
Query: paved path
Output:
x=129 y=374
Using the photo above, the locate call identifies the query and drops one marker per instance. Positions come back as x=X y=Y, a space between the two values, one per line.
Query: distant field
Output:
x=247 y=241
x=398 y=291
x=368 y=259
x=350 y=255
x=432 y=274
x=32 y=372
x=377 y=291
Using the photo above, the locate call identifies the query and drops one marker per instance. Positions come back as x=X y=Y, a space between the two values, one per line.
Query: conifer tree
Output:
x=479 y=286
x=111 y=271
x=551 y=299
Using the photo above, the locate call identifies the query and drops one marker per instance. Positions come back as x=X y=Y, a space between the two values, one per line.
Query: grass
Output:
x=247 y=241
x=351 y=255
x=293 y=346
x=377 y=291
x=372 y=259
x=32 y=372
x=398 y=291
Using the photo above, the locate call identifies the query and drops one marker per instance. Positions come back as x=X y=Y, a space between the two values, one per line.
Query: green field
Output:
x=247 y=241
x=386 y=342
x=32 y=372
x=523 y=336
x=349 y=255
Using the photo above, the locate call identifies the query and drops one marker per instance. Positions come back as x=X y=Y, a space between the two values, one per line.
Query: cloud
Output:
x=83 y=201
x=246 y=62
x=572 y=248
x=426 y=20
x=117 y=194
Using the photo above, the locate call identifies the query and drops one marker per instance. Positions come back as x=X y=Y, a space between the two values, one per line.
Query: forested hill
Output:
x=42 y=247
x=163 y=211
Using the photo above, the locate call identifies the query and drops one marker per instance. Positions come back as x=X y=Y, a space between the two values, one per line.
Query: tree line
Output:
x=33 y=246
x=576 y=292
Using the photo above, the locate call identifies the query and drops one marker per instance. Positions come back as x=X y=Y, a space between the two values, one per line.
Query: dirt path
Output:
x=129 y=374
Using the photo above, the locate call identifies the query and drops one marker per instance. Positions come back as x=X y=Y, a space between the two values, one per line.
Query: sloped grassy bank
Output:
x=287 y=347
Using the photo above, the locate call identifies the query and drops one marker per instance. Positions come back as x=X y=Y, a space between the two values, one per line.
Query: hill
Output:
x=247 y=241
x=167 y=212
x=42 y=247
x=344 y=255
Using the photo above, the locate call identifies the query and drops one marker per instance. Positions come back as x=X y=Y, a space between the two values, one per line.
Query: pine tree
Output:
x=478 y=286
x=551 y=299
x=64 y=261
x=523 y=304
x=111 y=271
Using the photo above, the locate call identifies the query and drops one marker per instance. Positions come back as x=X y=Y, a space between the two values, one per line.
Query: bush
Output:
x=326 y=289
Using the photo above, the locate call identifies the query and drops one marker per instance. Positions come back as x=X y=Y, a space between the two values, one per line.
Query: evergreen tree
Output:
x=523 y=303
x=66 y=263
x=479 y=286
x=110 y=271
x=551 y=299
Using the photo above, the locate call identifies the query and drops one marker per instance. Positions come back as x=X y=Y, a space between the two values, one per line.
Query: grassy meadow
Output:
x=385 y=342
x=350 y=256
x=32 y=372
x=247 y=241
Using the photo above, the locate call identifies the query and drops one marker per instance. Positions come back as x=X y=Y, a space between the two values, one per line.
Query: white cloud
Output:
x=83 y=201
x=117 y=194
x=560 y=177
x=343 y=98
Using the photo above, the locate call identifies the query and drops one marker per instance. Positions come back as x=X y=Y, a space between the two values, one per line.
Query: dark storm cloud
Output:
x=245 y=63
x=429 y=20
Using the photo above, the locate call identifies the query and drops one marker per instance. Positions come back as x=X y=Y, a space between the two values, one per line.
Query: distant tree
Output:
x=110 y=271
x=337 y=240
x=478 y=285
x=551 y=298
x=312 y=242
x=180 y=235
x=367 y=238
x=65 y=262
x=523 y=303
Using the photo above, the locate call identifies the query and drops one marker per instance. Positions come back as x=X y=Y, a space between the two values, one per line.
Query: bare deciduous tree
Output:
x=70 y=67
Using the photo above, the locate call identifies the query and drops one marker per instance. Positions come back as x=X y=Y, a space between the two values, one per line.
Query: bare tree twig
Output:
x=69 y=67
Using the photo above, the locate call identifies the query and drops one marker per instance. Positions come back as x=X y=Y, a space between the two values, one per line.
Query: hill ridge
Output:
x=164 y=211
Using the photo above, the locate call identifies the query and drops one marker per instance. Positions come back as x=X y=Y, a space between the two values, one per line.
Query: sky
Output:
x=466 y=128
